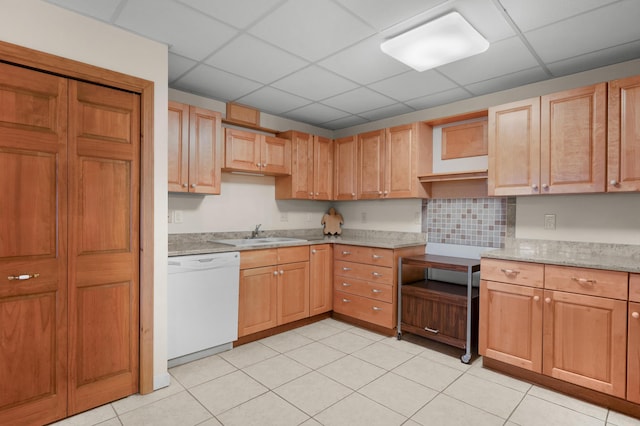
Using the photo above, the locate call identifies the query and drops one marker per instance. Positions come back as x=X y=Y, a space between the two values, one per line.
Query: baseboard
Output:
x=161 y=381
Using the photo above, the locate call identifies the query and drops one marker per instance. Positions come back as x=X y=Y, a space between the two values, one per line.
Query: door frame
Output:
x=22 y=56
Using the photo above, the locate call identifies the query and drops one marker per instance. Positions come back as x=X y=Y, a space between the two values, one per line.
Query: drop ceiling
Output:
x=319 y=61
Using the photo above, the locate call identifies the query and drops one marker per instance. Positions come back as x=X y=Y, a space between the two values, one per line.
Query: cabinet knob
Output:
x=346 y=301
x=386 y=192
x=376 y=256
x=375 y=308
x=536 y=298
x=346 y=285
x=258 y=165
x=313 y=251
x=346 y=253
x=376 y=291
x=311 y=194
x=379 y=192
x=184 y=185
x=275 y=272
x=547 y=300
x=317 y=193
x=635 y=315
x=613 y=182
x=193 y=185
x=545 y=186
x=346 y=269
x=353 y=194
x=534 y=187
x=281 y=272
x=376 y=274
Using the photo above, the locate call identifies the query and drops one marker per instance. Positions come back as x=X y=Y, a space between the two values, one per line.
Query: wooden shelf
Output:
x=447 y=177
x=249 y=126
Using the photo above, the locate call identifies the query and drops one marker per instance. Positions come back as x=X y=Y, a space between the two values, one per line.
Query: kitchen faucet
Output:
x=255 y=232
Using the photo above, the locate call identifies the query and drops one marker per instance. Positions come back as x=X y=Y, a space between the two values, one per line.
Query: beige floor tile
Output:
x=136 y=401
x=618 y=419
x=534 y=411
x=317 y=330
x=267 y=409
x=384 y=356
x=399 y=394
x=451 y=358
x=211 y=422
x=228 y=391
x=428 y=373
x=352 y=372
x=337 y=324
x=246 y=355
x=112 y=422
x=356 y=410
x=446 y=411
x=410 y=423
x=488 y=396
x=313 y=392
x=315 y=355
x=502 y=379
x=569 y=402
x=276 y=371
x=202 y=370
x=91 y=417
x=376 y=337
x=403 y=345
x=347 y=342
x=179 y=409
x=285 y=342
x=311 y=422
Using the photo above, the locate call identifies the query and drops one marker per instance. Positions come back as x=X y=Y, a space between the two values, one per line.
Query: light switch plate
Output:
x=550 y=221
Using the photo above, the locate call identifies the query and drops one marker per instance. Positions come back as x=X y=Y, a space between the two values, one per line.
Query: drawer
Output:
x=376 y=291
x=369 y=255
x=634 y=287
x=365 y=309
x=293 y=254
x=512 y=272
x=258 y=258
x=372 y=273
x=592 y=282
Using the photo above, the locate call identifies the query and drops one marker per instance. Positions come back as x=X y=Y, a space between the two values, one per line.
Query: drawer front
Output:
x=511 y=272
x=258 y=258
x=592 y=282
x=293 y=254
x=376 y=291
x=363 y=308
x=369 y=255
x=436 y=316
x=634 y=287
x=372 y=273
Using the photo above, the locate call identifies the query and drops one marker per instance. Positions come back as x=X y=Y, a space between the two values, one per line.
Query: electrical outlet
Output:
x=284 y=216
x=170 y=216
x=550 y=221
x=177 y=216
x=364 y=217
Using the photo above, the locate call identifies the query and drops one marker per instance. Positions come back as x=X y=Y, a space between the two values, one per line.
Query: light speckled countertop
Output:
x=204 y=243
x=615 y=257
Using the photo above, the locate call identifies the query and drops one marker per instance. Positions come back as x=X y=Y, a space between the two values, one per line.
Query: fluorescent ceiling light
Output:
x=438 y=42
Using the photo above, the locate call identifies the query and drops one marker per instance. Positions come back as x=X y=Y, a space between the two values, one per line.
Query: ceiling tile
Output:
x=355 y=62
x=601 y=58
x=441 y=98
x=215 y=83
x=502 y=57
x=618 y=24
x=529 y=15
x=316 y=114
x=504 y=82
x=99 y=9
x=187 y=32
x=314 y=83
x=413 y=84
x=343 y=123
x=178 y=66
x=385 y=112
x=379 y=15
x=239 y=13
x=273 y=101
x=312 y=29
x=358 y=100
x=251 y=58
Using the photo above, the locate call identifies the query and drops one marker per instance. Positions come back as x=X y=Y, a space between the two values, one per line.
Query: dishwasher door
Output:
x=202 y=303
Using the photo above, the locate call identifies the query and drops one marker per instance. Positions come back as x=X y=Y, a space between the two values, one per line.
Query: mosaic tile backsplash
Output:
x=478 y=222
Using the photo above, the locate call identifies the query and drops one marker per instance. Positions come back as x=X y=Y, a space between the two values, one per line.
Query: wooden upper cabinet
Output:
x=404 y=145
x=573 y=140
x=311 y=168
x=195 y=149
x=623 y=160
x=371 y=165
x=256 y=153
x=345 y=166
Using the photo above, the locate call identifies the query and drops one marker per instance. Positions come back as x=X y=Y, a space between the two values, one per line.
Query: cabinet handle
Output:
x=311 y=194
x=509 y=271
x=375 y=290
x=376 y=274
x=536 y=298
x=346 y=253
x=353 y=194
x=275 y=272
x=534 y=187
x=635 y=315
x=375 y=308
x=22 y=277
x=281 y=272
x=386 y=192
x=545 y=186
x=613 y=182
x=258 y=165
x=377 y=256
x=193 y=185
x=346 y=269
x=583 y=281
x=346 y=301
x=346 y=285
x=547 y=300
x=432 y=330
x=317 y=193
x=313 y=251
x=184 y=185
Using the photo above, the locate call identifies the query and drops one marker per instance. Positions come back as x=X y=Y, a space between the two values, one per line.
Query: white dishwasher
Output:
x=202 y=305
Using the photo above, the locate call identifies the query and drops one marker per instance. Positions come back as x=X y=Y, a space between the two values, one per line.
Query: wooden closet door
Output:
x=104 y=158
x=33 y=231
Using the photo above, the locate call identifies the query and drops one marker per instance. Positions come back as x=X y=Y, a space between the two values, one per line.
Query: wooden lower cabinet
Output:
x=633 y=353
x=320 y=279
x=293 y=292
x=258 y=300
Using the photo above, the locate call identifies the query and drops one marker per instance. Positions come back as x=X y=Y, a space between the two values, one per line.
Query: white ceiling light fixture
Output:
x=438 y=42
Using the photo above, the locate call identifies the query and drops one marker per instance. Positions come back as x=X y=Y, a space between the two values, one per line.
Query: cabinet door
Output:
x=514 y=148
x=510 y=327
x=257 y=309
x=321 y=279
x=301 y=165
x=293 y=292
x=371 y=165
x=242 y=150
x=585 y=341
x=205 y=151
x=623 y=163
x=322 y=168
x=345 y=166
x=401 y=157
x=276 y=156
x=573 y=140
x=633 y=354
x=178 y=141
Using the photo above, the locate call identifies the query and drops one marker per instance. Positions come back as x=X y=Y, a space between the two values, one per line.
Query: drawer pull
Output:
x=509 y=271
x=583 y=281
x=346 y=301
x=22 y=277
x=346 y=269
x=432 y=330
x=346 y=285
x=346 y=253
x=376 y=274
x=375 y=290
x=375 y=308
x=376 y=256
x=635 y=315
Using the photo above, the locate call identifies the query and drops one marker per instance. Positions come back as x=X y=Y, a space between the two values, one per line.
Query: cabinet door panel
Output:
x=322 y=168
x=345 y=167
x=178 y=141
x=623 y=164
x=511 y=324
x=205 y=151
x=371 y=165
x=276 y=155
x=401 y=159
x=258 y=300
x=633 y=355
x=293 y=292
x=242 y=150
x=320 y=279
x=301 y=165
x=585 y=341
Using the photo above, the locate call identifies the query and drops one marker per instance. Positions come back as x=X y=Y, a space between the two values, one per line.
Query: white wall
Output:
x=382 y=215
x=44 y=27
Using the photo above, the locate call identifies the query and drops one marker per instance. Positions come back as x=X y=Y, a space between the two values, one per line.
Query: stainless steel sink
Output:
x=267 y=241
